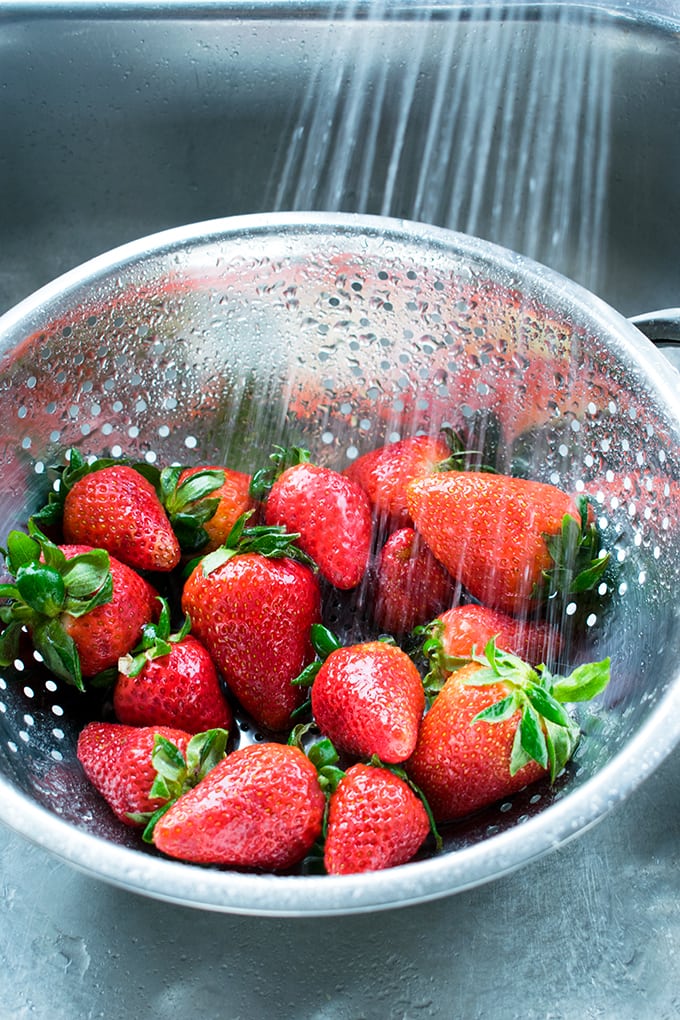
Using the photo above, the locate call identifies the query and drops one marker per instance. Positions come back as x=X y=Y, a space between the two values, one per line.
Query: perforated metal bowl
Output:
x=214 y=341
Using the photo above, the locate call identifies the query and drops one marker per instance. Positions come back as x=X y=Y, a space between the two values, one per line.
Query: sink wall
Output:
x=123 y=119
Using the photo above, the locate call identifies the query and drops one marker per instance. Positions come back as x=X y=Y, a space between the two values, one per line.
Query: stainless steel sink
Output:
x=120 y=119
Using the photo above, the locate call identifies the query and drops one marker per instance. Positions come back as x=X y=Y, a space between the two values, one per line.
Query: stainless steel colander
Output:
x=210 y=343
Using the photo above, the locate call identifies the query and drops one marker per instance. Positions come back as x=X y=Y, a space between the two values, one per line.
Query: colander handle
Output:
x=662 y=327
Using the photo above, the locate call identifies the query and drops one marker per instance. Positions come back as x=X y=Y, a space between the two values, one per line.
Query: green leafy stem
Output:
x=46 y=587
x=546 y=732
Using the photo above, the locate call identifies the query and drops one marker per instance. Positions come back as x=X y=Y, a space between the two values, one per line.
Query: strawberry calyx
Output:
x=578 y=560
x=546 y=733
x=282 y=458
x=176 y=773
x=440 y=666
x=324 y=642
x=272 y=541
x=189 y=504
x=155 y=642
x=460 y=458
x=46 y=585
x=324 y=757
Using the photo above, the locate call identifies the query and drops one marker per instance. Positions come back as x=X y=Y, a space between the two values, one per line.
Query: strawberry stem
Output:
x=281 y=459
x=440 y=665
x=188 y=504
x=546 y=732
x=324 y=642
x=177 y=773
x=578 y=560
x=46 y=586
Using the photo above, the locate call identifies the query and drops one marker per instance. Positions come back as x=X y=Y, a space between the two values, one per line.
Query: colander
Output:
x=212 y=342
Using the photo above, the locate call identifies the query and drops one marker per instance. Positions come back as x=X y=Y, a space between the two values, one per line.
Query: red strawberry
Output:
x=496 y=726
x=410 y=585
x=203 y=503
x=170 y=680
x=471 y=626
x=109 y=631
x=252 y=607
x=328 y=511
x=119 y=761
x=81 y=606
x=375 y=820
x=368 y=699
x=261 y=807
x=384 y=473
x=510 y=541
x=112 y=506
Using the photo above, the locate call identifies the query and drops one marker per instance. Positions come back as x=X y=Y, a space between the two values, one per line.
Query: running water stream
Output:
x=460 y=119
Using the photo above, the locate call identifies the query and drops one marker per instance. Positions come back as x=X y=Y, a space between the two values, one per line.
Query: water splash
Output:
x=485 y=118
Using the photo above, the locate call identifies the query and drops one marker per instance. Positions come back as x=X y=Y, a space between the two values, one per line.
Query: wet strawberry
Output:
x=328 y=511
x=464 y=630
x=496 y=726
x=409 y=586
x=385 y=472
x=368 y=699
x=82 y=608
x=512 y=543
x=261 y=807
x=112 y=506
x=170 y=679
x=252 y=605
x=139 y=770
x=375 y=821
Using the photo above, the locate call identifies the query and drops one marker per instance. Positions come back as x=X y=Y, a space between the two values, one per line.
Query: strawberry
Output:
x=83 y=608
x=261 y=807
x=368 y=699
x=496 y=726
x=203 y=503
x=329 y=512
x=385 y=473
x=511 y=542
x=112 y=506
x=375 y=821
x=252 y=605
x=170 y=680
x=139 y=770
x=459 y=633
x=409 y=585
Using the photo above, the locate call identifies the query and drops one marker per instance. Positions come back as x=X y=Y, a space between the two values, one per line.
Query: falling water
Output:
x=487 y=118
